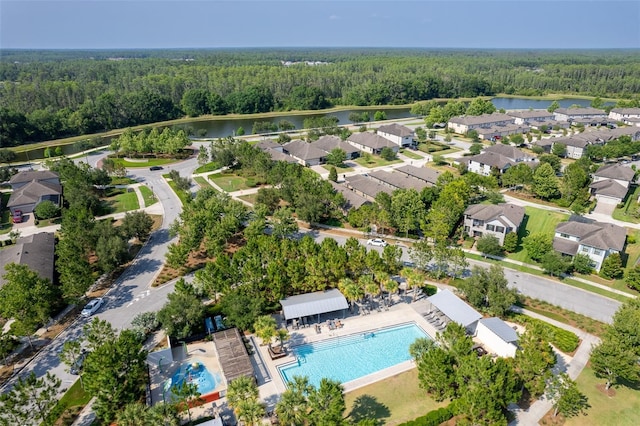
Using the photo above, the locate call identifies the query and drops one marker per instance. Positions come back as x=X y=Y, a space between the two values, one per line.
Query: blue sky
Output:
x=104 y=24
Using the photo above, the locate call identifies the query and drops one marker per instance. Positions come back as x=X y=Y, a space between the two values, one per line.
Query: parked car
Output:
x=92 y=307
x=377 y=242
x=155 y=168
x=76 y=368
x=17 y=216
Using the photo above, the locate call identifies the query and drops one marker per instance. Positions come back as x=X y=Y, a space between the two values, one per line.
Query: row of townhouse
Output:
x=393 y=136
x=578 y=235
x=629 y=116
x=512 y=122
x=496 y=157
x=576 y=145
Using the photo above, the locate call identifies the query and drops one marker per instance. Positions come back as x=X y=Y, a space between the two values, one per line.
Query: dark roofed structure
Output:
x=455 y=309
x=367 y=187
x=615 y=171
x=399 y=180
x=396 y=129
x=508 y=151
x=491 y=159
x=426 y=174
x=371 y=141
x=328 y=143
x=591 y=233
x=488 y=212
x=31 y=175
x=352 y=200
x=500 y=329
x=315 y=303
x=609 y=188
x=304 y=151
x=232 y=354
x=36 y=251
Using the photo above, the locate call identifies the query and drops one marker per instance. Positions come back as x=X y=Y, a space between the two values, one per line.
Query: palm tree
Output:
x=391 y=286
x=164 y=415
x=250 y=412
x=369 y=286
x=351 y=290
x=134 y=414
x=415 y=279
x=265 y=327
x=185 y=395
x=293 y=407
x=240 y=390
x=282 y=335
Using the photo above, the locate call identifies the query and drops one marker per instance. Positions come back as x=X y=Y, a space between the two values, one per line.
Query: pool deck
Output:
x=203 y=352
x=271 y=384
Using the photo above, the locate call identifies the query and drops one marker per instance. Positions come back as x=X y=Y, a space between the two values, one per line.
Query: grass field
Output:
x=5 y=214
x=122 y=202
x=71 y=403
x=536 y=220
x=376 y=162
x=229 y=182
x=184 y=196
x=204 y=183
x=391 y=401
x=147 y=195
x=409 y=154
x=209 y=167
x=624 y=213
x=144 y=162
x=620 y=410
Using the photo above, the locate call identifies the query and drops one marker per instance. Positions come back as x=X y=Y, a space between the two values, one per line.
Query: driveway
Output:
x=605 y=208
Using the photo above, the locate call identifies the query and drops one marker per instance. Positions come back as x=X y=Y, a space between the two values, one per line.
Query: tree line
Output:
x=81 y=93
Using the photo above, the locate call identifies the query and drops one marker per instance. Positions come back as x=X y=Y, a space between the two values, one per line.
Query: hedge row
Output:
x=564 y=340
x=434 y=417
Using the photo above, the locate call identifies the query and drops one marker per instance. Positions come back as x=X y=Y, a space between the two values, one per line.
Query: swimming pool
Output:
x=194 y=371
x=350 y=357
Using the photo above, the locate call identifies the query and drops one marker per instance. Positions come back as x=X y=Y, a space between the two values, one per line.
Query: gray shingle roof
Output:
x=315 y=303
x=367 y=186
x=570 y=141
x=626 y=111
x=491 y=159
x=508 y=151
x=500 y=329
x=527 y=114
x=488 y=212
x=396 y=129
x=609 y=187
x=352 y=200
x=269 y=144
x=580 y=111
x=399 y=180
x=303 y=150
x=371 y=140
x=28 y=176
x=328 y=143
x=424 y=173
x=470 y=120
x=32 y=192
x=36 y=251
x=454 y=308
x=615 y=171
x=565 y=246
x=600 y=235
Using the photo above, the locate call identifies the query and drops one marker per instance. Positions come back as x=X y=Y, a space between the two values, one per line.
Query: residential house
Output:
x=305 y=153
x=497 y=132
x=275 y=151
x=329 y=143
x=530 y=117
x=397 y=133
x=512 y=153
x=36 y=251
x=575 y=147
x=371 y=142
x=366 y=187
x=462 y=124
x=485 y=162
x=491 y=219
x=585 y=236
x=352 y=200
x=31 y=188
x=498 y=337
x=396 y=180
x=629 y=116
x=427 y=174
x=587 y=116
x=611 y=183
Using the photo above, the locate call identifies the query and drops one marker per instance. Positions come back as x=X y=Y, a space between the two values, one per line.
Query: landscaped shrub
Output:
x=564 y=340
x=434 y=417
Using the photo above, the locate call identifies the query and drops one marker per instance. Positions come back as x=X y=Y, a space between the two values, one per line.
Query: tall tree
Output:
x=32 y=399
x=567 y=398
x=545 y=183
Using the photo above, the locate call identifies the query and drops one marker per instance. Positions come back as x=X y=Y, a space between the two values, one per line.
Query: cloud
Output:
x=334 y=17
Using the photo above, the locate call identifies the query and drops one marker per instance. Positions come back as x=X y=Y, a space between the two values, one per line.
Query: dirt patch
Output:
x=550 y=420
x=611 y=392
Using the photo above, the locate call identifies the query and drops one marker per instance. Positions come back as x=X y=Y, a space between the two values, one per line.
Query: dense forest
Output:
x=52 y=94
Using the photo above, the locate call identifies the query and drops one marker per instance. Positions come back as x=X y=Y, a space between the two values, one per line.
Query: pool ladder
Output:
x=301 y=359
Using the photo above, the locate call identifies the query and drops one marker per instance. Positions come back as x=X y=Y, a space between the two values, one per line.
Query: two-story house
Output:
x=629 y=116
x=491 y=219
x=397 y=133
x=462 y=124
x=371 y=143
x=590 y=116
x=499 y=157
x=611 y=183
x=585 y=236
x=33 y=187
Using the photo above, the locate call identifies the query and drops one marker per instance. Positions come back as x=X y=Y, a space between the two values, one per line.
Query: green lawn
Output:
x=122 y=181
x=123 y=202
x=229 y=182
x=144 y=162
x=71 y=403
x=620 y=410
x=407 y=153
x=338 y=169
x=184 y=196
x=376 y=161
x=147 y=195
x=536 y=220
x=204 y=183
x=209 y=167
x=391 y=401
x=5 y=215
x=624 y=213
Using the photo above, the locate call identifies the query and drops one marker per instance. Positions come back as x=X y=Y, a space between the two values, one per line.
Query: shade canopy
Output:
x=454 y=308
x=315 y=303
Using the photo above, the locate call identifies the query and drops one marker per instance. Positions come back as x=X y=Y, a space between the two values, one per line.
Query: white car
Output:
x=377 y=242
x=92 y=307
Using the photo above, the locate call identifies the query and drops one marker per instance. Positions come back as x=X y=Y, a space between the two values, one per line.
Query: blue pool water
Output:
x=351 y=357
x=198 y=374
